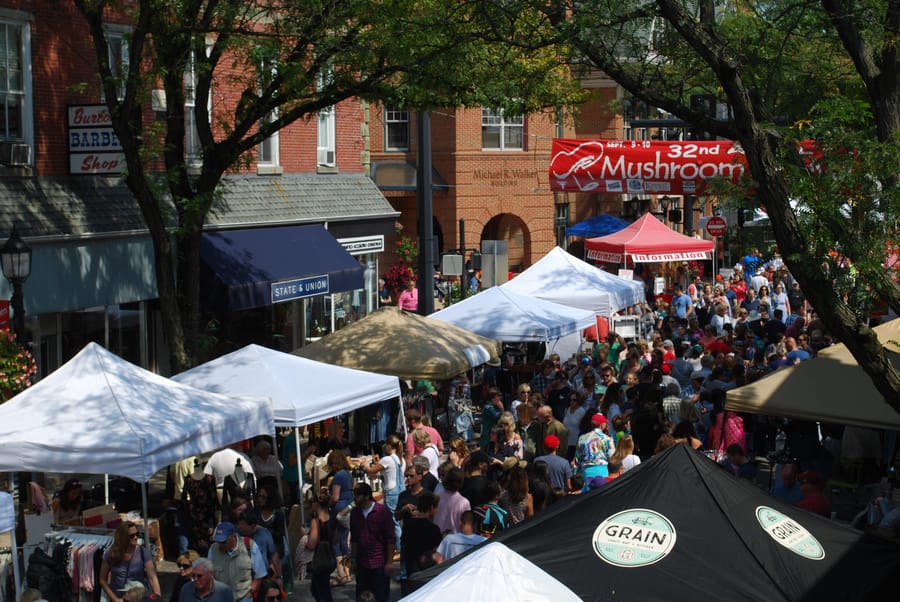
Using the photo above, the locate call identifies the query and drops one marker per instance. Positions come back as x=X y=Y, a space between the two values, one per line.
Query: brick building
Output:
x=93 y=276
x=491 y=172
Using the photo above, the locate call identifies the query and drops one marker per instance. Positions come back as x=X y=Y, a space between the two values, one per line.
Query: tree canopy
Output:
x=283 y=61
x=785 y=70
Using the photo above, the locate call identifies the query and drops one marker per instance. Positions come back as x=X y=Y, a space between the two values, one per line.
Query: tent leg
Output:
x=300 y=471
x=146 y=514
x=277 y=455
x=15 y=549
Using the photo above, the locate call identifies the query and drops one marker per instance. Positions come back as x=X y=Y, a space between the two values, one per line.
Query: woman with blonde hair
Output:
x=422 y=440
x=124 y=561
x=625 y=453
x=185 y=564
x=459 y=451
x=509 y=442
x=523 y=392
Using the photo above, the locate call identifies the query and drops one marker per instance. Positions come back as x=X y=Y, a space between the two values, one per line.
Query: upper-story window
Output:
x=325 y=141
x=16 y=125
x=396 y=129
x=268 y=148
x=15 y=80
x=118 y=44
x=501 y=132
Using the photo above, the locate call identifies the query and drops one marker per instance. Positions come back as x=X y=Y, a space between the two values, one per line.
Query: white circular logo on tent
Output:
x=789 y=533
x=633 y=538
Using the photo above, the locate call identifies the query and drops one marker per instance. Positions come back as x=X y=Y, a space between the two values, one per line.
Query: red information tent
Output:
x=647 y=240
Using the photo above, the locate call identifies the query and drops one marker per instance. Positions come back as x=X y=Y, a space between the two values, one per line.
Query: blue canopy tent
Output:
x=599 y=225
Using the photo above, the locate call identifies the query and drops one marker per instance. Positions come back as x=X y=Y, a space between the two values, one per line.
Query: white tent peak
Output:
x=489 y=570
x=562 y=278
x=500 y=313
x=302 y=390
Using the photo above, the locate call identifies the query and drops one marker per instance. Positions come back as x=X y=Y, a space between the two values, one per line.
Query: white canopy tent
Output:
x=490 y=572
x=302 y=391
x=8 y=525
x=100 y=414
x=562 y=278
x=499 y=313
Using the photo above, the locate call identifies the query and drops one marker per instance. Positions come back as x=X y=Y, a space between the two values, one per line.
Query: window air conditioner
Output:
x=15 y=154
x=325 y=157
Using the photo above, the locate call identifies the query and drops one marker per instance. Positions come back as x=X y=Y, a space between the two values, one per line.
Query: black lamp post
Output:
x=662 y=205
x=15 y=257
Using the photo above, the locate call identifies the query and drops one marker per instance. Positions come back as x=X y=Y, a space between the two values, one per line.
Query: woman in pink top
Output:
x=409 y=298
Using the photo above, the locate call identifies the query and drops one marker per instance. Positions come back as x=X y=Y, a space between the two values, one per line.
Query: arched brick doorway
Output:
x=511 y=228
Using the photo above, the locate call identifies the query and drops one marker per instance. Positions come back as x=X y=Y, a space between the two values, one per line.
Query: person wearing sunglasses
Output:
x=126 y=560
x=204 y=586
x=185 y=566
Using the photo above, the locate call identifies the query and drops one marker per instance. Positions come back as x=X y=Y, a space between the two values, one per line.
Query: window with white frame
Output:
x=268 y=148
x=117 y=44
x=15 y=80
x=396 y=129
x=325 y=151
x=501 y=132
x=325 y=140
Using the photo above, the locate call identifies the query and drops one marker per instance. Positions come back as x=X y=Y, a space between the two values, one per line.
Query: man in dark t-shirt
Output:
x=474 y=488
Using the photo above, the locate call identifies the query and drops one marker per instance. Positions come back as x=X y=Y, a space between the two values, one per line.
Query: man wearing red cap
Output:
x=812 y=485
x=594 y=450
x=558 y=469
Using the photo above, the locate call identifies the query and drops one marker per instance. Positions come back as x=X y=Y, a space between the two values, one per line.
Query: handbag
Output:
x=323 y=562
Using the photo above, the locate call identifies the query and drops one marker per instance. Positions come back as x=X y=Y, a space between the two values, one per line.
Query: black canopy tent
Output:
x=679 y=527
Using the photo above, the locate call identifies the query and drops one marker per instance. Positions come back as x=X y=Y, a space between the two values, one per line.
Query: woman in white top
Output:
x=572 y=420
x=391 y=467
x=720 y=318
x=625 y=453
x=266 y=467
x=780 y=301
x=422 y=440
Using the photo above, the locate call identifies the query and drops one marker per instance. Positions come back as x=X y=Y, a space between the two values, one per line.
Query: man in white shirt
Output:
x=455 y=544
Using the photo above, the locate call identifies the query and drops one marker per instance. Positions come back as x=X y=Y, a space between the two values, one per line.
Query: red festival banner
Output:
x=4 y=314
x=642 y=166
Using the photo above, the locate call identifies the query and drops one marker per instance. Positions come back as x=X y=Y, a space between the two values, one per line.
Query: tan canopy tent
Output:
x=406 y=345
x=830 y=387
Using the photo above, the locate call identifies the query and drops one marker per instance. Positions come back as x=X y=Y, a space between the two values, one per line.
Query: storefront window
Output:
x=62 y=336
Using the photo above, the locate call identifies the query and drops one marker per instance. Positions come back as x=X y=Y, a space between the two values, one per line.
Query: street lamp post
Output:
x=15 y=258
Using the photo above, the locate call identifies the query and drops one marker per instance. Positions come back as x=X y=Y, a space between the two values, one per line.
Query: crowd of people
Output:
x=580 y=424
x=573 y=426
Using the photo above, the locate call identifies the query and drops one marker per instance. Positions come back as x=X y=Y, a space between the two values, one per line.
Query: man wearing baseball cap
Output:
x=238 y=564
x=594 y=449
x=558 y=469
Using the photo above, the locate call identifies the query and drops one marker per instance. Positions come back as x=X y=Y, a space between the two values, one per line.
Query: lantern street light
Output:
x=662 y=204
x=15 y=257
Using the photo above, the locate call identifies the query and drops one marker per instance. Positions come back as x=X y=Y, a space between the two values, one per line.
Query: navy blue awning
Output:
x=239 y=267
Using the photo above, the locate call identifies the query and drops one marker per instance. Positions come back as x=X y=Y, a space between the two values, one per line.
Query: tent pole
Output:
x=146 y=507
x=300 y=471
x=15 y=563
x=277 y=455
x=15 y=550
